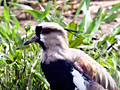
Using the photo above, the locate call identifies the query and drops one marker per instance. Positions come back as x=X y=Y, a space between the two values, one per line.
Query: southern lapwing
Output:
x=67 y=68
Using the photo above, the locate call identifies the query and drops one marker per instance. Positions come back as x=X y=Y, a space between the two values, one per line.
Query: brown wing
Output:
x=95 y=86
x=90 y=84
x=96 y=72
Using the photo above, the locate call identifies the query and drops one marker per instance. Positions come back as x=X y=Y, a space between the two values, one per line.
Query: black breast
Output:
x=58 y=75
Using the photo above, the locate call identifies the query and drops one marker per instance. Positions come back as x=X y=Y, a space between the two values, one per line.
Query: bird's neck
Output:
x=54 y=53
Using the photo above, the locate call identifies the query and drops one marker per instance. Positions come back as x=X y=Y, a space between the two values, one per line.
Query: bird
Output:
x=68 y=68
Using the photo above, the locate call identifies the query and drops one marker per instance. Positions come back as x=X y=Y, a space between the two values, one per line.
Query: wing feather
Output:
x=97 y=73
x=94 y=70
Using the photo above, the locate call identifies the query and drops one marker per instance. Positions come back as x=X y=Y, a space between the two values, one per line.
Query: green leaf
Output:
x=47 y=9
x=6 y=12
x=96 y=26
x=102 y=40
x=62 y=12
x=62 y=24
x=115 y=31
x=18 y=54
x=99 y=12
x=20 y=41
x=2 y=61
x=55 y=7
x=3 y=34
x=79 y=9
x=87 y=4
x=1 y=17
x=11 y=49
x=5 y=56
x=87 y=20
x=35 y=13
x=81 y=26
x=111 y=17
x=13 y=63
x=112 y=39
x=39 y=76
x=77 y=42
x=93 y=27
x=21 y=6
x=15 y=20
x=103 y=16
x=6 y=18
x=114 y=8
x=72 y=26
x=85 y=7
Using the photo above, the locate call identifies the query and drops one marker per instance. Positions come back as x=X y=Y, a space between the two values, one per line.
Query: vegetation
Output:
x=20 y=65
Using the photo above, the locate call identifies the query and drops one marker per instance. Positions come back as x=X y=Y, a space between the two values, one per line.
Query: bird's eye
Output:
x=46 y=31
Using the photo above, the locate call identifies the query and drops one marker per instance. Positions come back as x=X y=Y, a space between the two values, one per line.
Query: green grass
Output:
x=20 y=65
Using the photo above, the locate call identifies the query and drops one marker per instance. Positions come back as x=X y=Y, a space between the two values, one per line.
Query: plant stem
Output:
x=32 y=69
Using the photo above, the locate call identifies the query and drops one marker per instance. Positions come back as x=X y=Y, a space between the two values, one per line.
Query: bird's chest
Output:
x=59 y=75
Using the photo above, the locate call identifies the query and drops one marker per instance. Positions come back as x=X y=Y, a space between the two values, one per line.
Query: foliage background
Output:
x=20 y=65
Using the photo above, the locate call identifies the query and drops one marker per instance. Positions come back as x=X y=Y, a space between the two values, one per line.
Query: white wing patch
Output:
x=78 y=80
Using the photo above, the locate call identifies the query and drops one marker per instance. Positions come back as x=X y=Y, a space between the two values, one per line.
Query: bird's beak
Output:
x=32 y=39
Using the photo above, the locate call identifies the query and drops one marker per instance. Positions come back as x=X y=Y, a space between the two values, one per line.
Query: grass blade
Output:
x=93 y=27
x=76 y=42
x=114 y=8
x=47 y=9
x=36 y=14
x=81 y=26
x=72 y=26
x=111 y=17
x=6 y=12
x=79 y=9
x=115 y=31
x=62 y=12
x=99 y=12
x=21 y=6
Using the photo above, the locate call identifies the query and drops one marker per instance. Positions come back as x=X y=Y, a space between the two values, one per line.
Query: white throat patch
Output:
x=42 y=38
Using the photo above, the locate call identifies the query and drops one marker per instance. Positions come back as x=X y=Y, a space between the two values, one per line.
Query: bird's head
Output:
x=49 y=35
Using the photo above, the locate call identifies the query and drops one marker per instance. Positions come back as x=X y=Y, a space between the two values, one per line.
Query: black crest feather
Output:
x=69 y=30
